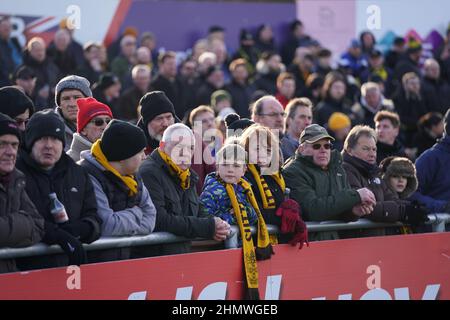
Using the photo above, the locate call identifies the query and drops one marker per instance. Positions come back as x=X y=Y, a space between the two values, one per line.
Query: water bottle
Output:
x=57 y=210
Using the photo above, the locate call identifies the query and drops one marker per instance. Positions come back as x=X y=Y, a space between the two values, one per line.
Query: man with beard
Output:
x=156 y=114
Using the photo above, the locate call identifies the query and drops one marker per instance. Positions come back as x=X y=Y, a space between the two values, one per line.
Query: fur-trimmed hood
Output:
x=399 y=166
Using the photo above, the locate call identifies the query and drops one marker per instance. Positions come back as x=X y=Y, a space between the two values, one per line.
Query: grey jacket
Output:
x=138 y=220
x=78 y=145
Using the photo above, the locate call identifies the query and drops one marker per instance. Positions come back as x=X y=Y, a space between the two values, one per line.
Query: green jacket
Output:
x=322 y=194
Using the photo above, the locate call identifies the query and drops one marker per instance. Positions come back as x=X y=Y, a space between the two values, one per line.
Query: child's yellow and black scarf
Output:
x=250 y=254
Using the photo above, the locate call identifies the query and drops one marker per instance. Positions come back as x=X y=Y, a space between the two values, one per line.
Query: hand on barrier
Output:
x=414 y=214
x=367 y=196
x=72 y=247
x=222 y=229
x=361 y=210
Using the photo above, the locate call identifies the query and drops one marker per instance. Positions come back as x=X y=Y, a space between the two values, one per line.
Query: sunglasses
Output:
x=326 y=146
x=99 y=122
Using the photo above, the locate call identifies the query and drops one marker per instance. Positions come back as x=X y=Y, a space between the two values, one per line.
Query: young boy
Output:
x=226 y=194
x=400 y=175
x=215 y=199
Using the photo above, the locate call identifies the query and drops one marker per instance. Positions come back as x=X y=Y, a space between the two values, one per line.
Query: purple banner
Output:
x=178 y=24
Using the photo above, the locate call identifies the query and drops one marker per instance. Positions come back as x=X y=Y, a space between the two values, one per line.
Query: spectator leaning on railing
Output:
x=123 y=201
x=319 y=184
x=49 y=170
x=20 y=223
x=171 y=183
x=434 y=175
x=360 y=164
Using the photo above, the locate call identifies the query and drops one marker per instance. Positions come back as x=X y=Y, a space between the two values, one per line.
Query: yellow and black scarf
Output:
x=264 y=248
x=266 y=195
x=129 y=181
x=183 y=175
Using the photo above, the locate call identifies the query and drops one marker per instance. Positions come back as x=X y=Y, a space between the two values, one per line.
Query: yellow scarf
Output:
x=266 y=195
x=129 y=181
x=250 y=254
x=183 y=175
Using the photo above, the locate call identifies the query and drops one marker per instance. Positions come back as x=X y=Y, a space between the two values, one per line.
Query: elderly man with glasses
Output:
x=92 y=118
x=268 y=112
x=319 y=184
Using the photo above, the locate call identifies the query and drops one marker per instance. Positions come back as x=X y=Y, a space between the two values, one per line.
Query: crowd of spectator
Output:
x=125 y=141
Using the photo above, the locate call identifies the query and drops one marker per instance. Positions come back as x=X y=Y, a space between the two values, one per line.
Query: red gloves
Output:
x=291 y=222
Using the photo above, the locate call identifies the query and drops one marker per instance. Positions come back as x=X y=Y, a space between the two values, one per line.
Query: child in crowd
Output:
x=226 y=194
x=400 y=175
x=216 y=198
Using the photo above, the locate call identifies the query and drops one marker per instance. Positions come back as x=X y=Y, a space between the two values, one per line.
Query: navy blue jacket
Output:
x=433 y=173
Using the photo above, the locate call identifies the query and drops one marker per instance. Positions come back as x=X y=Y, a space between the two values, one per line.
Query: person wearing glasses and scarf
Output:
x=318 y=182
x=92 y=119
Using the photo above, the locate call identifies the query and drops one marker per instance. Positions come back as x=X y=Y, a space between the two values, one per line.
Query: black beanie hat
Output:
x=234 y=122
x=447 y=122
x=153 y=104
x=8 y=126
x=122 y=140
x=45 y=123
x=14 y=102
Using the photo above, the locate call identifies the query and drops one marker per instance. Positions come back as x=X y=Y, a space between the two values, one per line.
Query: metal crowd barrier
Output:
x=437 y=221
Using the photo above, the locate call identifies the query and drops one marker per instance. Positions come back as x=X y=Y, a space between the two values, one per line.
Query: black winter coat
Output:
x=73 y=188
x=20 y=223
x=178 y=210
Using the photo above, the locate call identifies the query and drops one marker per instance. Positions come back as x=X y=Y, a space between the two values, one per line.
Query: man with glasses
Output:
x=92 y=118
x=20 y=223
x=319 y=184
x=68 y=91
x=268 y=112
x=15 y=104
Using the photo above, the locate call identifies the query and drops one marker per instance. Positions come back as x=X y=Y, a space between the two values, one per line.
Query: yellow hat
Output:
x=338 y=120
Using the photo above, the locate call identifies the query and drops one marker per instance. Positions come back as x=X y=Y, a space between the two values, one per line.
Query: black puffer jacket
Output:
x=73 y=187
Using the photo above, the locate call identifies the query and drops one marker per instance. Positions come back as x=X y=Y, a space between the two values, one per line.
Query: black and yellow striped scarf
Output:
x=183 y=175
x=264 y=248
x=266 y=195
x=129 y=181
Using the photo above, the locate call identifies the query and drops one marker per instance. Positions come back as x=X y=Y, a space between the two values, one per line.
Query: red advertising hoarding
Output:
x=405 y=267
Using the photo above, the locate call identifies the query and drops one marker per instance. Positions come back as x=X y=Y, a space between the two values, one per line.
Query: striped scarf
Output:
x=263 y=250
x=266 y=195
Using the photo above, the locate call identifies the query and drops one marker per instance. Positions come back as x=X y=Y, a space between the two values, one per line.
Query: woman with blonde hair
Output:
x=268 y=185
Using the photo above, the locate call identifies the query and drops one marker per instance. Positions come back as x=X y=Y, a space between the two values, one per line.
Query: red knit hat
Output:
x=89 y=108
